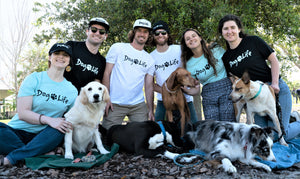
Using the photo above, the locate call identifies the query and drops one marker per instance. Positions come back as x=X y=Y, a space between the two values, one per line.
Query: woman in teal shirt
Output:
x=206 y=65
x=43 y=98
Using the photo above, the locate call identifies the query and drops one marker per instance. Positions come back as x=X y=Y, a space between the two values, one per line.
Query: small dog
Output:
x=172 y=95
x=85 y=117
x=230 y=141
x=146 y=138
x=255 y=97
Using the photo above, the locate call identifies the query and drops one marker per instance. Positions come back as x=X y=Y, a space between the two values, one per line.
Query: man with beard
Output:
x=87 y=64
x=129 y=68
x=167 y=59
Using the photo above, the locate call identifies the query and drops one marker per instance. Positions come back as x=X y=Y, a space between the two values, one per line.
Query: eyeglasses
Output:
x=156 y=33
x=95 y=29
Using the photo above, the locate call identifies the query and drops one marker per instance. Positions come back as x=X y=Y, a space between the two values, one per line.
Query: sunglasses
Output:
x=160 y=32
x=95 y=29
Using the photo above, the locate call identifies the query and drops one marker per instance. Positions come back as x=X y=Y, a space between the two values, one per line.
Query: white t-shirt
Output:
x=128 y=74
x=165 y=63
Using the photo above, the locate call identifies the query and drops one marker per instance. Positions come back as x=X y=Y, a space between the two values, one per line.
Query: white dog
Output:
x=85 y=117
x=257 y=98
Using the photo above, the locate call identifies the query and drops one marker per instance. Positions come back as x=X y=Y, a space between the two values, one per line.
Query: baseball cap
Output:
x=142 y=23
x=100 y=21
x=161 y=25
x=61 y=47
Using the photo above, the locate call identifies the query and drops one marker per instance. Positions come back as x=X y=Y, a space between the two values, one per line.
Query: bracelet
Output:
x=40 y=118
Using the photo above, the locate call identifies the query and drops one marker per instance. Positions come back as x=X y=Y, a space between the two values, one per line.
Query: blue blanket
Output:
x=285 y=156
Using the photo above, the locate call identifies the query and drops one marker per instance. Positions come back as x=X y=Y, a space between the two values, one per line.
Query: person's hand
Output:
x=151 y=116
x=60 y=124
x=275 y=88
x=107 y=107
x=191 y=90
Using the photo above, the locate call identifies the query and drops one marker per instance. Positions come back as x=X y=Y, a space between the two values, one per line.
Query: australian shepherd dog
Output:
x=227 y=142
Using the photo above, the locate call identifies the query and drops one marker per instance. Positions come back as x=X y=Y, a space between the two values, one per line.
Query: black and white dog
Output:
x=228 y=141
x=147 y=138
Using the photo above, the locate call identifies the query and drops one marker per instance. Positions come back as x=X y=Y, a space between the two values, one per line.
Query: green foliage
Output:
x=276 y=21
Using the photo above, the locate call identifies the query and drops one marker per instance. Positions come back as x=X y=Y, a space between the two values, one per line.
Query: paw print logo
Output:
x=167 y=64
x=136 y=61
x=207 y=67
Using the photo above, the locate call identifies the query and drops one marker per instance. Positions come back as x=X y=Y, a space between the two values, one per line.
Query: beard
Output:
x=161 y=43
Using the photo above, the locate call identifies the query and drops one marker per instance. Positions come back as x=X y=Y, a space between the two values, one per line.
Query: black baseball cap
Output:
x=61 y=47
x=161 y=25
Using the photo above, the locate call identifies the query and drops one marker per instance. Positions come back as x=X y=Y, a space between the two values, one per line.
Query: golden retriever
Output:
x=85 y=117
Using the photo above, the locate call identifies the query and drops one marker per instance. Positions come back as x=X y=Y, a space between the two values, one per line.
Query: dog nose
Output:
x=96 y=96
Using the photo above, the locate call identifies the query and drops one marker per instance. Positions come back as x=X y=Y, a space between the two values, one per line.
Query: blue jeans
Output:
x=160 y=112
x=19 y=144
x=292 y=130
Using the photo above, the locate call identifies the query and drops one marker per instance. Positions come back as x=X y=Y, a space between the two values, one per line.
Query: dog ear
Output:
x=246 y=77
x=106 y=95
x=171 y=79
x=269 y=131
x=232 y=77
x=83 y=97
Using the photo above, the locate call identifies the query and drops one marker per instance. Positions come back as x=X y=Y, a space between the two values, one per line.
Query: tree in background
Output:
x=276 y=21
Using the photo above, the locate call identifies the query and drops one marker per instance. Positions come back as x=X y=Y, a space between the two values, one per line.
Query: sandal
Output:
x=59 y=151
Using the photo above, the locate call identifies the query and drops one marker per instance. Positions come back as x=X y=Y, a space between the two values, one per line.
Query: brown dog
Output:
x=172 y=95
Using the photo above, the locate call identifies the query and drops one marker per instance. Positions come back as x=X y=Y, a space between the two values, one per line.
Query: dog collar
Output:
x=257 y=92
x=168 y=88
x=162 y=129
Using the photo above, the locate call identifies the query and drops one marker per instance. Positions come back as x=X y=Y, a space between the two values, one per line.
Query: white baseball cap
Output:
x=100 y=21
x=142 y=23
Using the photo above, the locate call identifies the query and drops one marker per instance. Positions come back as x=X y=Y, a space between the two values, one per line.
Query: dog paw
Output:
x=187 y=159
x=103 y=151
x=69 y=156
x=227 y=166
x=267 y=168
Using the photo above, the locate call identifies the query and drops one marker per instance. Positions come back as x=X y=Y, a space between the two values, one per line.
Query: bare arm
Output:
x=149 y=95
x=26 y=114
x=106 y=82
x=274 y=71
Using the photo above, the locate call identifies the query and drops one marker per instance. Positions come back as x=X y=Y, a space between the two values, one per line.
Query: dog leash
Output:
x=197 y=154
x=257 y=92
x=163 y=130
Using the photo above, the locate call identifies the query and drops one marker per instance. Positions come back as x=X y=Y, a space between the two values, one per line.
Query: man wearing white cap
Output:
x=129 y=68
x=87 y=63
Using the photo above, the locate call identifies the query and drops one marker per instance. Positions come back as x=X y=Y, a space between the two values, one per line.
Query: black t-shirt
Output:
x=86 y=66
x=251 y=54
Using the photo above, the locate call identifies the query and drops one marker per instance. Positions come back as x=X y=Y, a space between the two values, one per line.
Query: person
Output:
x=167 y=59
x=250 y=53
x=88 y=63
x=205 y=65
x=43 y=98
x=128 y=68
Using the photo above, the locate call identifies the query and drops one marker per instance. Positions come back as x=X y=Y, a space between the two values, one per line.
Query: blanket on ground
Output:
x=56 y=161
x=285 y=156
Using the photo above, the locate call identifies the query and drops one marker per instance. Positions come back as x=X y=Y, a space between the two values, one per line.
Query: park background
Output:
x=30 y=27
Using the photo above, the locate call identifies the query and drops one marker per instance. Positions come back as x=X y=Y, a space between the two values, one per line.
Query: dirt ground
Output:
x=129 y=166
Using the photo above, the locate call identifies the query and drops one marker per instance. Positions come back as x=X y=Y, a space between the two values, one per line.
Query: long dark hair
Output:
x=131 y=35
x=186 y=53
x=237 y=20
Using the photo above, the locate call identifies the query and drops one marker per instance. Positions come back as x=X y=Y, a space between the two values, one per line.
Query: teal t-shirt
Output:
x=201 y=70
x=50 y=98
